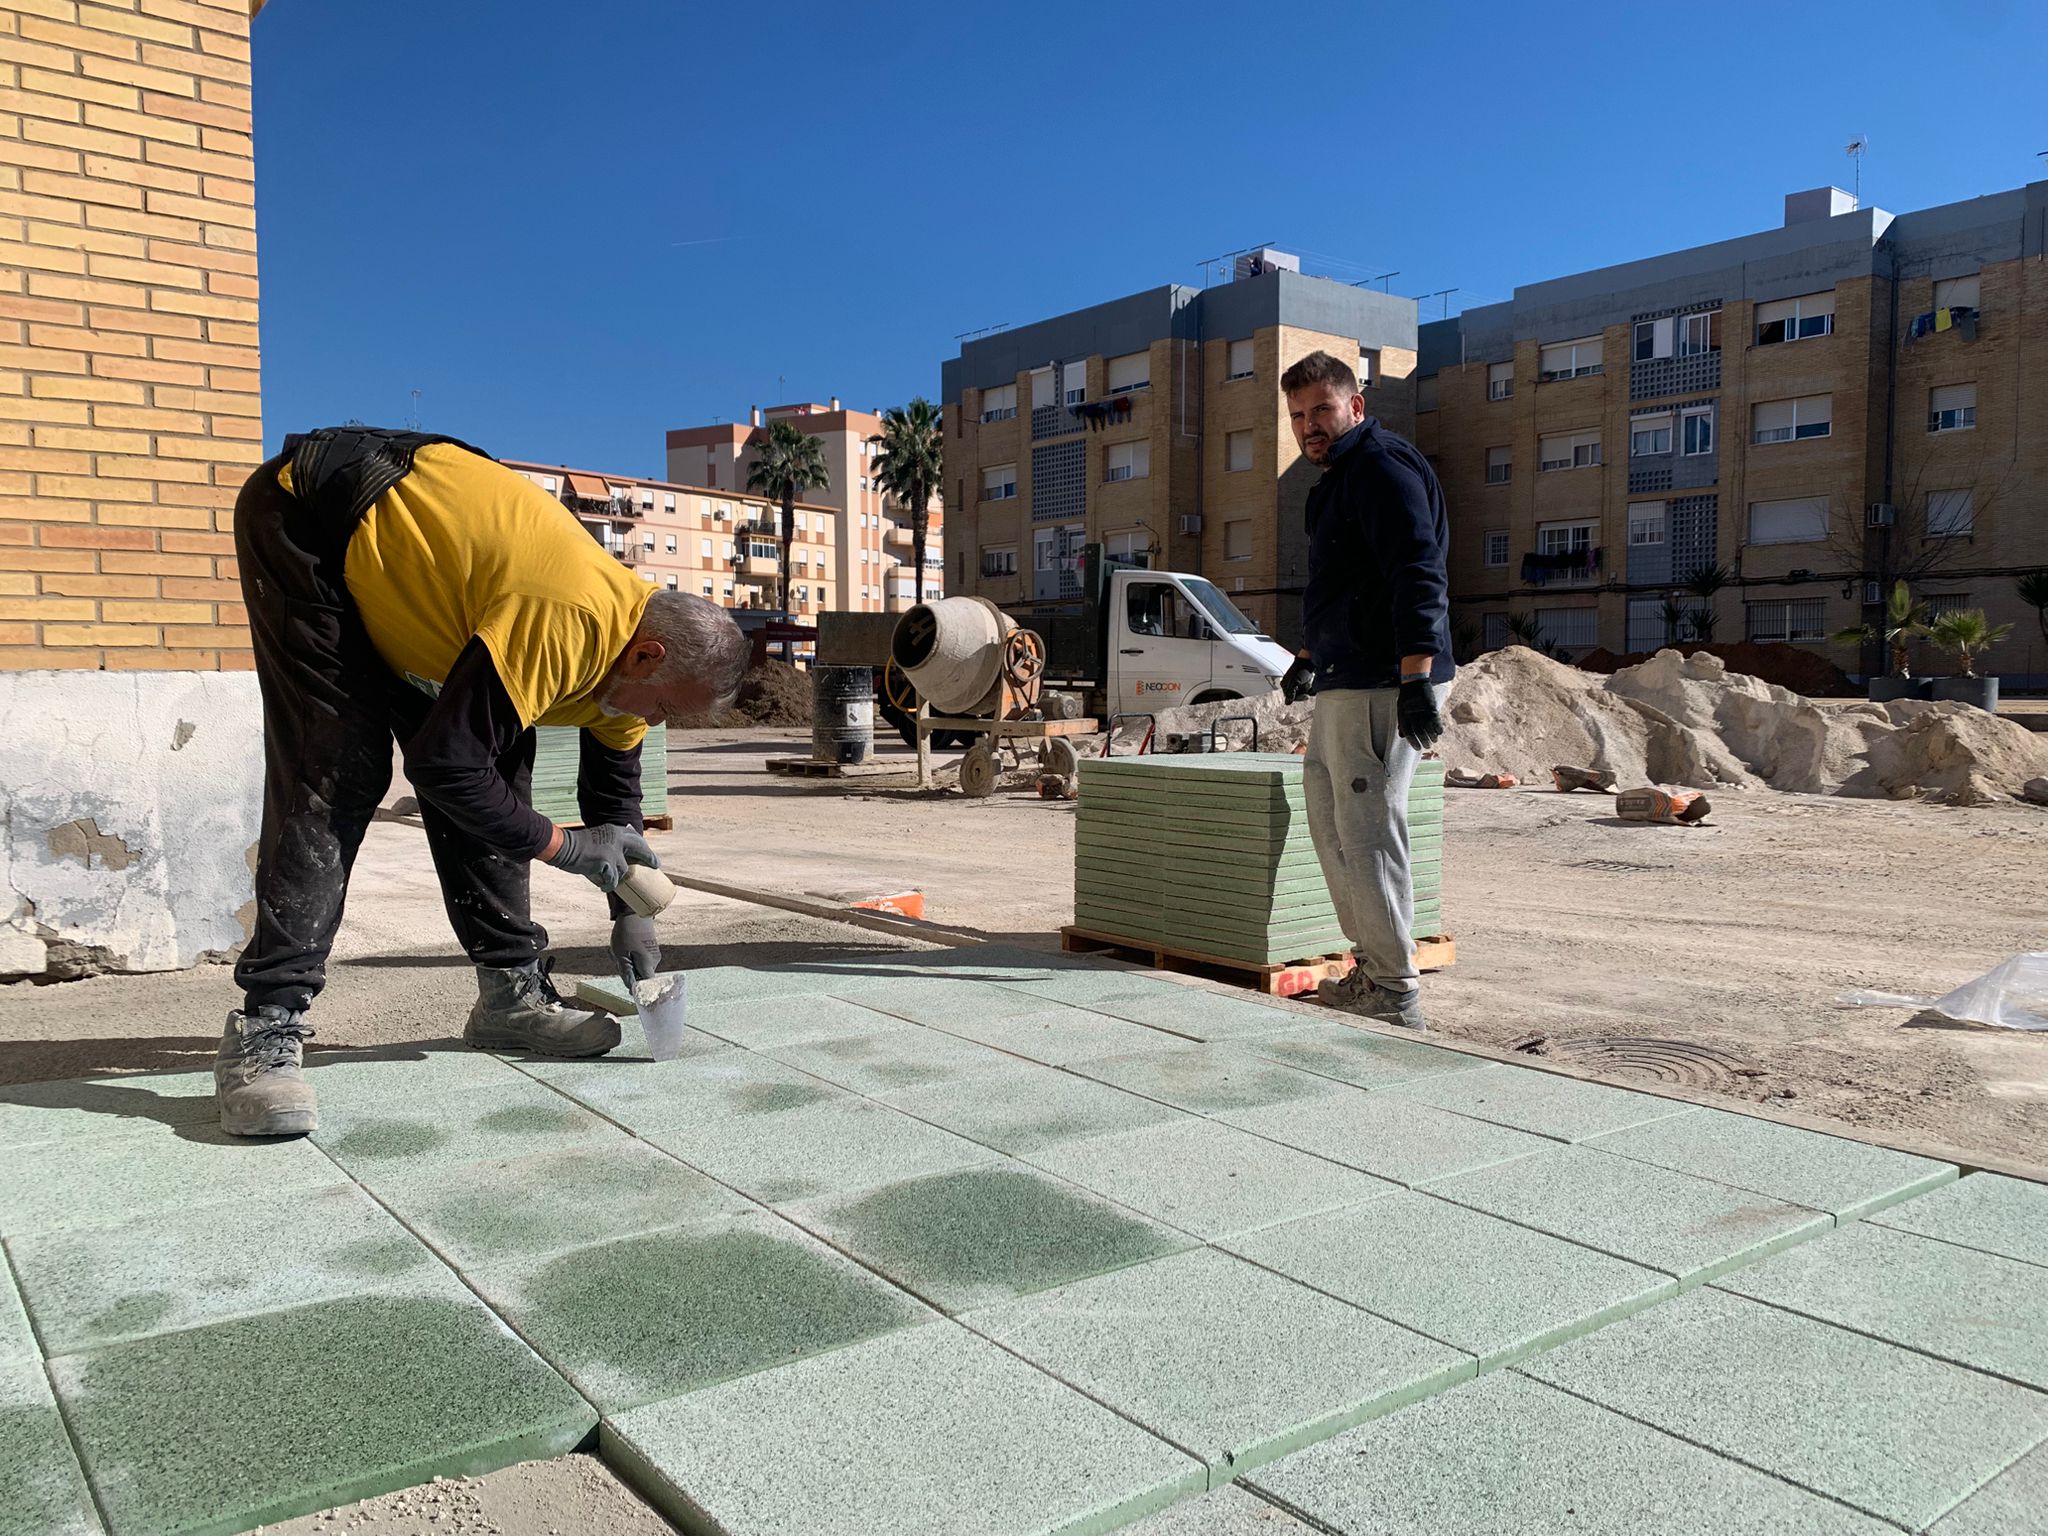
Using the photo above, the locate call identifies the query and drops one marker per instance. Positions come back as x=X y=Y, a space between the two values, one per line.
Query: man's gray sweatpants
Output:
x=1356 y=782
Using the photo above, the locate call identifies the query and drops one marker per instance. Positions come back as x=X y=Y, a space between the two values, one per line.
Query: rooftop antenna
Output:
x=1445 y=295
x=1854 y=149
x=1382 y=279
x=414 y=423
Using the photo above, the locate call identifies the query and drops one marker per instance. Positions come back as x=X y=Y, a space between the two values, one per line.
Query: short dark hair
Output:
x=1320 y=368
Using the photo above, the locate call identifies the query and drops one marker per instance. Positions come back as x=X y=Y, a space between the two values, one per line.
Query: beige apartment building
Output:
x=874 y=571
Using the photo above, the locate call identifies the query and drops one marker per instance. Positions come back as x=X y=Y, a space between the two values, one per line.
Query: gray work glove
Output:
x=635 y=950
x=601 y=854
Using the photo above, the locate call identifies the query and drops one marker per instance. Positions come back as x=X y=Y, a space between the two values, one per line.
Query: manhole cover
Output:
x=1620 y=866
x=1667 y=1061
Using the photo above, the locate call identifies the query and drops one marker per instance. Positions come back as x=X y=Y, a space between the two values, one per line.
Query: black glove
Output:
x=601 y=854
x=1299 y=681
x=635 y=949
x=1415 y=715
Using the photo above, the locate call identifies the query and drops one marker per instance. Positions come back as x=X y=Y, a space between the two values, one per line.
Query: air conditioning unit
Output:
x=1881 y=514
x=1191 y=522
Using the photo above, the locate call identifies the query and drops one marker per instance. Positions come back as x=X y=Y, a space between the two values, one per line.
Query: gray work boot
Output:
x=519 y=1010
x=1355 y=992
x=257 y=1078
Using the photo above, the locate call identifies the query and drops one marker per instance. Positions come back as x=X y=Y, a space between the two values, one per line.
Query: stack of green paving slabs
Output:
x=1210 y=854
x=554 y=772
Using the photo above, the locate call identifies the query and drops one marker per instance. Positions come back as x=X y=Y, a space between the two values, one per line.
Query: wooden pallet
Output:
x=812 y=768
x=1287 y=979
x=661 y=823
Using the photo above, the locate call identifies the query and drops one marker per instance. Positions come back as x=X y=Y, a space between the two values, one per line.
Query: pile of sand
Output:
x=774 y=693
x=1789 y=666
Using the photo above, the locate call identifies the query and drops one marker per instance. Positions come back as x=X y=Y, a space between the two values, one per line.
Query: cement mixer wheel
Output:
x=1024 y=662
x=978 y=772
x=1058 y=756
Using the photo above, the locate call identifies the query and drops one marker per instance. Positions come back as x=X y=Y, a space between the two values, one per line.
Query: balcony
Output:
x=897 y=536
x=758 y=567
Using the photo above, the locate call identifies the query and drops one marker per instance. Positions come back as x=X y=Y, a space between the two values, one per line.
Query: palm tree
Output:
x=789 y=464
x=2033 y=590
x=909 y=464
x=1968 y=633
x=1703 y=583
x=1904 y=619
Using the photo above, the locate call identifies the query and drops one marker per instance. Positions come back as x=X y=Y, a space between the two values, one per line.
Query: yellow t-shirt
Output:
x=462 y=547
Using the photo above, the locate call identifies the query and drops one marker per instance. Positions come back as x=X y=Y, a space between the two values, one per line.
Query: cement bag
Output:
x=2013 y=995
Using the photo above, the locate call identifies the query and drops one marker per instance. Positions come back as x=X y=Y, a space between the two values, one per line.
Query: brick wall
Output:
x=129 y=410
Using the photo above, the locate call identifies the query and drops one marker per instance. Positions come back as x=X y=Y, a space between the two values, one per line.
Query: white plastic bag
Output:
x=2012 y=995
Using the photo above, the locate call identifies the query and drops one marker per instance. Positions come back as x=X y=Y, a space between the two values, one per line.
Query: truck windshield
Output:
x=1219 y=609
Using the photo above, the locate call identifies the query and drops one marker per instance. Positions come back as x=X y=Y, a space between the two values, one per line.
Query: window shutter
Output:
x=1130 y=372
x=1044 y=388
x=1803 y=521
x=1076 y=379
x=1240 y=359
x=1238 y=446
x=1950 y=514
x=1953 y=292
x=1774 y=419
x=1954 y=397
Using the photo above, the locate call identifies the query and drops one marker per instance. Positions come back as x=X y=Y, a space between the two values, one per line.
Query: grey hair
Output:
x=702 y=641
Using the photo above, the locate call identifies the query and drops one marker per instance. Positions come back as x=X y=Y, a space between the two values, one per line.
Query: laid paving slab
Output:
x=1985 y=1210
x=485 y=1214
x=17 y=1339
x=1206 y=1079
x=189 y=1266
x=942 y=1001
x=1054 y=1033
x=1359 y=1056
x=1208 y=1179
x=1888 y=1431
x=1228 y=1511
x=821 y=1149
x=42 y=1490
x=1002 y=963
x=897 y=1058
x=1488 y=1287
x=91 y=1181
x=655 y=1095
x=714 y=985
x=982 y=1235
x=104 y=1106
x=1829 y=1173
x=1959 y=1304
x=1505 y=1454
x=929 y=1429
x=1540 y=1102
x=219 y=1428
x=663 y=1313
x=349 y=1079
x=1231 y=1363
x=1692 y=1229
x=795 y=1019
x=1392 y=1138
x=2011 y=1503
x=393 y=1142
x=1203 y=1015
x=1026 y=1106
x=1099 y=983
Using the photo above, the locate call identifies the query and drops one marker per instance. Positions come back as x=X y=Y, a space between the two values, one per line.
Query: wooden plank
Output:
x=1286 y=979
x=1006 y=730
x=812 y=768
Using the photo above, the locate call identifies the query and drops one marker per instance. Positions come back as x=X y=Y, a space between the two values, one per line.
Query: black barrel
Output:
x=842 y=714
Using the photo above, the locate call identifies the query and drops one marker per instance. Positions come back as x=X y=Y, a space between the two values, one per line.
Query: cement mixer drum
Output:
x=965 y=656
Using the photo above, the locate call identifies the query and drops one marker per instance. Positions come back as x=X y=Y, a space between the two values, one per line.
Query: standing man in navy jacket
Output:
x=1376 y=653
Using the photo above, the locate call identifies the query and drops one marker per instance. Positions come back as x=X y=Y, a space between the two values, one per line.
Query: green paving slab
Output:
x=2010 y=1504
x=713 y=986
x=1359 y=1056
x=664 y=1313
x=1985 y=1210
x=348 y=1079
x=982 y=1235
x=899 y=1058
x=796 y=1019
x=1206 y=1079
x=929 y=1430
x=187 y=1267
x=1231 y=1363
x=90 y=1182
x=219 y=1428
x=1885 y=1430
x=1392 y=1138
x=1559 y=1107
x=1201 y=1015
x=42 y=1491
x=1829 y=1173
x=17 y=1339
x=1023 y=1107
x=1228 y=1511
x=1959 y=1304
x=1084 y=989
x=1208 y=1179
x=942 y=1001
x=1055 y=1034
x=1486 y=1286
x=974 y=962
x=1505 y=1456
x=104 y=1106
x=1690 y=1228
x=404 y=1140
x=656 y=1095
x=484 y=1214
x=819 y=1149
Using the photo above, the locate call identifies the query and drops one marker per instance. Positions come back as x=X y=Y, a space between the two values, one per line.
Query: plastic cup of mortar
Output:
x=661 y=1015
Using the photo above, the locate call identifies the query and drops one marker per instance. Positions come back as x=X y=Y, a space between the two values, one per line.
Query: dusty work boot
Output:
x=520 y=1010
x=1356 y=993
x=257 y=1078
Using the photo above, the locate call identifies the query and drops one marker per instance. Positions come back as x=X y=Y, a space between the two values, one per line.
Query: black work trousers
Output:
x=331 y=710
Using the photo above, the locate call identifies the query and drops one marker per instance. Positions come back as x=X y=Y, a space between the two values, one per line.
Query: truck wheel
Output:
x=1214 y=696
x=1058 y=756
x=978 y=773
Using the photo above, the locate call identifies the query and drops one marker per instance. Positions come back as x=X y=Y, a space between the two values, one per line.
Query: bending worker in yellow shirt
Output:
x=406 y=585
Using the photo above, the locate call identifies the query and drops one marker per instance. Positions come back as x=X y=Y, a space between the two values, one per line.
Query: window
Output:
x=1426 y=393
x=1133 y=371
x=1574 y=628
x=647 y=540
x=728 y=589
x=728 y=549
x=1500 y=465
x=646 y=500
x=707 y=549
x=669 y=582
x=1952 y=408
x=999 y=404
x=1496 y=631
x=1500 y=381
x=1649 y=435
x=668 y=502
x=1160 y=609
x=1800 y=619
x=1368 y=368
x=1237 y=540
x=1697 y=429
x=999 y=482
x=549 y=483
x=1496 y=549
x=1795 y=319
x=1781 y=421
x=1045 y=388
x=1563 y=538
x=671 y=544
x=799 y=524
x=1939 y=603
x=1237 y=450
x=999 y=560
x=1950 y=514
x=1128 y=461
x=1699 y=334
x=1571 y=359
x=1957 y=292
x=1801 y=521
x=707 y=589
x=1132 y=549
x=1240 y=360
x=1653 y=339
x=1568 y=450
x=1646 y=522
x=1074 y=378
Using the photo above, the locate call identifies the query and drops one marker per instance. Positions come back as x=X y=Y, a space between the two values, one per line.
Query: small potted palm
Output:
x=1967 y=634
x=1903 y=620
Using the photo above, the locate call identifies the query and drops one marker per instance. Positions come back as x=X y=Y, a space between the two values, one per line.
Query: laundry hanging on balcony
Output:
x=1960 y=318
x=1097 y=414
x=1541 y=570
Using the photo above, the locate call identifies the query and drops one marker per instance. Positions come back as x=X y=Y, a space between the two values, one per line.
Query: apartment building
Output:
x=1154 y=425
x=1809 y=411
x=874 y=571
x=720 y=544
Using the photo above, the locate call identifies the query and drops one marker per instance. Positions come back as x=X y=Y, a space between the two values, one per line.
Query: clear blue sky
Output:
x=575 y=226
